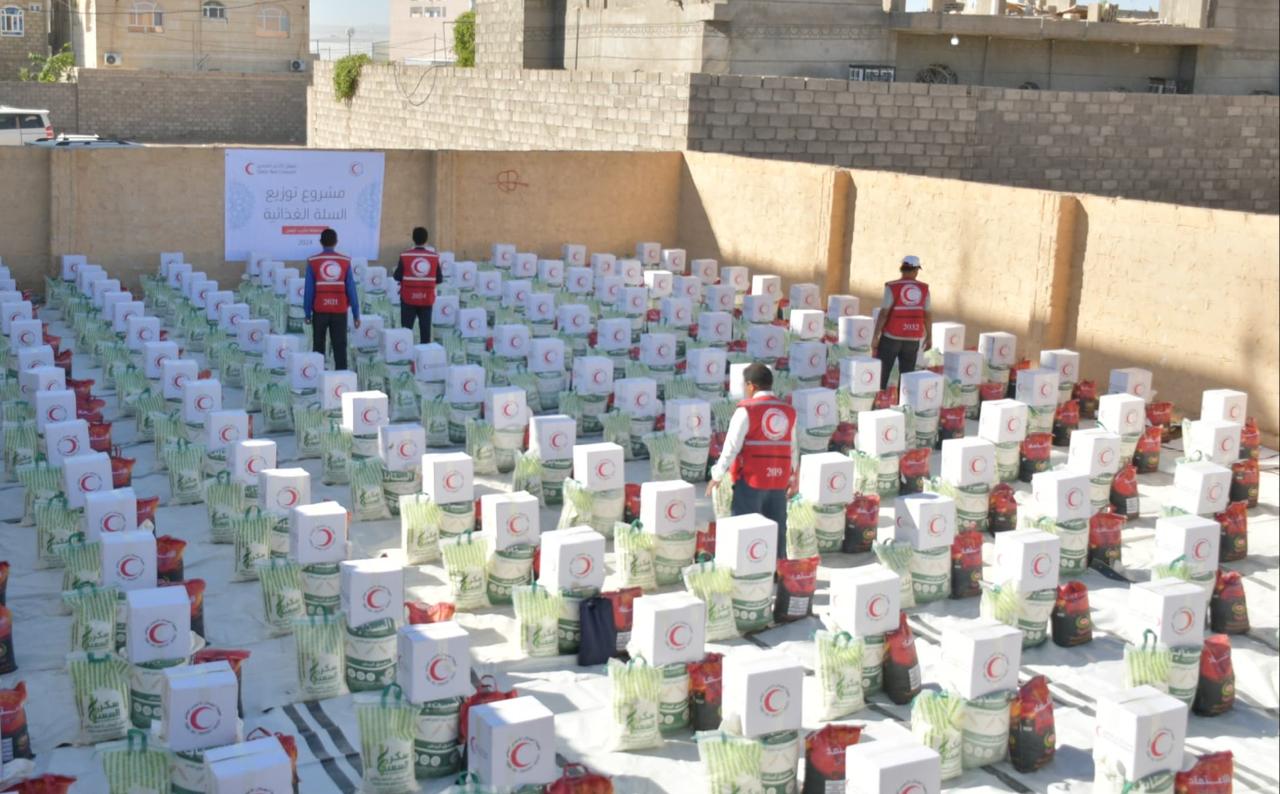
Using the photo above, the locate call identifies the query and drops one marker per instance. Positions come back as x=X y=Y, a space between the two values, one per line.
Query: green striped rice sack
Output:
x=57 y=526
x=309 y=426
x=133 y=768
x=224 y=500
x=507 y=569
x=672 y=553
x=436 y=746
x=936 y=720
x=335 y=452
x=985 y=730
x=387 y=723
x=81 y=564
x=802 y=524
x=930 y=574
x=673 y=698
x=282 y=600
x=479 y=445
x=370 y=655
x=93 y=618
x=635 y=549
x=1147 y=664
x=252 y=533
x=537 y=612
x=40 y=483
x=839 y=673
x=779 y=757
x=367 y=500
x=435 y=420
x=464 y=562
x=616 y=428
x=101 y=686
x=752 y=602
x=714 y=587
x=732 y=764
x=146 y=407
x=420 y=528
x=896 y=556
x=185 y=462
x=664 y=456
x=321 y=656
x=635 y=687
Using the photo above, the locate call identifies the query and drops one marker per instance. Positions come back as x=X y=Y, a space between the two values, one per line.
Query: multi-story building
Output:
x=422 y=30
x=190 y=35
x=24 y=30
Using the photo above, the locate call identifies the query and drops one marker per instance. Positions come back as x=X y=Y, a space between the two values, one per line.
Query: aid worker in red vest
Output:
x=904 y=322
x=760 y=453
x=330 y=291
x=418 y=272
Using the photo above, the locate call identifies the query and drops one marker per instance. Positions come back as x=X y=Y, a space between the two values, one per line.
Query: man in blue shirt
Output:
x=329 y=293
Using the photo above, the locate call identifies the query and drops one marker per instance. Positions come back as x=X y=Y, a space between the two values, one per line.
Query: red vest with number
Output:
x=765 y=459
x=330 y=273
x=420 y=270
x=906 y=316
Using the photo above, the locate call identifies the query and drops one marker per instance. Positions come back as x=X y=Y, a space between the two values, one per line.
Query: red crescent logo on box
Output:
x=970 y=370
x=309 y=371
x=1215 y=491
x=721 y=329
x=398 y=346
x=1044 y=389
x=130 y=567
x=712 y=367
x=931 y=392
x=877 y=607
x=144 y=334
x=576 y=320
x=452 y=481
x=255 y=335
x=821 y=410
x=1013 y=424
x=321 y=538
x=1106 y=456
x=1131 y=419
x=836 y=482
x=937 y=525
x=774 y=424
x=890 y=433
x=90 y=483
x=472 y=324
x=56 y=413
x=1183 y=620
x=204 y=402
x=597 y=376
x=509 y=409
x=253 y=465
x=756 y=551
x=1040 y=564
x=642 y=399
x=912 y=788
x=675 y=510
x=178 y=380
x=619 y=335
x=868 y=376
x=338 y=390
x=446 y=310
x=468 y=386
x=407 y=449
x=372 y=416
x=611 y=292
x=775 y=700
x=1074 y=497
x=113 y=522
x=1225 y=446
x=157 y=361
x=996 y=667
x=377 y=598
x=581 y=565
x=288 y=497
x=233 y=319
x=203 y=718
x=558 y=440
x=772 y=288
x=863 y=332
x=679 y=636
x=1138 y=389
x=330 y=271
x=26 y=338
x=663 y=351
x=1200 y=550
x=978 y=465
x=1234 y=412
x=519 y=759
x=549 y=357
x=518 y=524
x=1161 y=744
x=375 y=280
x=130 y=314
x=441 y=669
x=161 y=633
x=1066 y=371
x=605 y=469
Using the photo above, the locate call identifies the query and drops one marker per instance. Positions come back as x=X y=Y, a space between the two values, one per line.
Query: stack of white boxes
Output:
x=1062 y=496
x=969 y=464
x=826 y=482
x=1028 y=560
x=1004 y=423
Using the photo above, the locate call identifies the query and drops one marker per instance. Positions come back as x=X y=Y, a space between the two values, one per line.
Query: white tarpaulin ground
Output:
x=329 y=741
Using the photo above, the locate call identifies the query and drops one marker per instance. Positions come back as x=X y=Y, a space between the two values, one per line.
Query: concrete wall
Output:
x=422 y=37
x=33 y=41
x=147 y=105
x=1250 y=63
x=803 y=37
x=24 y=206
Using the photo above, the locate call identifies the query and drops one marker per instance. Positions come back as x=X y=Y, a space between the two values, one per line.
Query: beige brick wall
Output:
x=148 y=105
x=15 y=49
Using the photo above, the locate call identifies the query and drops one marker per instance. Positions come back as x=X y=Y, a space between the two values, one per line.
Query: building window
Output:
x=146 y=17
x=436 y=12
x=273 y=23
x=212 y=9
x=871 y=74
x=11 y=21
x=415 y=12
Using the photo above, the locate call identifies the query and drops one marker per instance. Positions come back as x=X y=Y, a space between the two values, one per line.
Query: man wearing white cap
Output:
x=903 y=323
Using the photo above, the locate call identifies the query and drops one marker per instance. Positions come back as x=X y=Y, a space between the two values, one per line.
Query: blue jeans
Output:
x=771 y=504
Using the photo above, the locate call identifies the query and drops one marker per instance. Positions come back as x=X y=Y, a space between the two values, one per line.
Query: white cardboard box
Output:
x=668 y=628
x=609 y=289
x=111 y=511
x=372 y=590
x=510 y=519
x=1002 y=421
x=252 y=335
x=1000 y=349
x=1095 y=452
x=140 y=330
x=159 y=625
x=763 y=689
x=1227 y=405
x=613 y=334
x=658 y=349
x=573 y=319
x=56 y=405
x=649 y=254
x=1216 y=440
x=553 y=437
x=546 y=355
x=248 y=458
x=318 y=533
x=525 y=265
x=367 y=335
x=224 y=428
x=1141 y=729
x=677 y=312
x=363 y=412
x=446 y=311
x=1122 y=413
x=1038 y=387
x=860 y=374
x=968 y=461
x=667 y=506
x=1201 y=488
x=448 y=477
x=900 y=767
x=281 y=490
x=592 y=374
x=804 y=296
x=231 y=316
x=747 y=544
x=276 y=350
x=949 y=337
x=963 y=366
x=305 y=369
x=573 y=254
x=599 y=467
x=174 y=374
x=689 y=418
x=1193 y=538
x=260 y=766
x=1131 y=380
x=401 y=445
x=125 y=310
x=473 y=323
x=767 y=285
x=39 y=378
x=1171 y=608
x=715 y=326
x=866 y=601
x=128 y=558
x=84 y=474
x=489 y=283
x=881 y=432
x=505 y=407
x=540 y=307
x=808 y=359
x=579 y=280
x=688 y=287
x=1028 y=558
x=26 y=333
x=600 y=264
x=826 y=478
x=922 y=390
x=673 y=259
x=430 y=361
x=34 y=356
x=572 y=559
x=1064 y=362
x=502 y=255
x=199 y=706
x=841 y=306
x=807 y=323
x=199 y=399
x=396 y=344
x=981 y=657
x=1062 y=494
x=511 y=340
x=334 y=386
x=706 y=270
x=66 y=439
x=707 y=365
x=635 y=301
x=814 y=408
x=855 y=331
x=433 y=661
x=720 y=297
x=636 y=396
x=737 y=277
x=925 y=520
x=765 y=340
x=760 y=309
x=512 y=743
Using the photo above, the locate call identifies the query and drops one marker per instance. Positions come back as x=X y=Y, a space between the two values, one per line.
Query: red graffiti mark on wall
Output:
x=509 y=181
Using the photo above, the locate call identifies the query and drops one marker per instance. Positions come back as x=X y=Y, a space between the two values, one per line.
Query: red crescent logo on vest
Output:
x=1040 y=564
x=756 y=551
x=130 y=567
x=605 y=469
x=774 y=424
x=877 y=607
x=1161 y=743
x=675 y=510
x=774 y=700
x=518 y=758
x=1013 y=424
x=160 y=633
x=377 y=598
x=937 y=525
x=581 y=565
x=287 y=497
x=1200 y=550
x=90 y=483
x=407 y=449
x=558 y=440
x=978 y=465
x=440 y=669
x=330 y=271
x=452 y=481
x=518 y=524
x=911 y=295
x=1215 y=491
x=996 y=667
x=113 y=522
x=204 y=402
x=1074 y=497
x=203 y=717
x=321 y=538
x=1183 y=620
x=421 y=267
x=836 y=482
x=56 y=413
x=372 y=416
x=509 y=408
x=679 y=636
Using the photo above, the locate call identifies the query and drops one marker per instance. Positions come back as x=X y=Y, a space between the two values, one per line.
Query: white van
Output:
x=18 y=125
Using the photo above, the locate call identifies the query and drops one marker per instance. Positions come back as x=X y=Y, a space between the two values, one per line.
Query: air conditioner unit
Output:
x=112 y=59
x=297 y=65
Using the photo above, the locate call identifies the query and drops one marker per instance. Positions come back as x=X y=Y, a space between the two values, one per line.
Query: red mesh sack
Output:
x=1211 y=774
x=1124 y=491
x=706 y=692
x=7 y=661
x=1066 y=418
x=901 y=664
x=13 y=726
x=1228 y=609
x=824 y=750
x=146 y=509
x=1086 y=394
x=913 y=468
x=966 y=564
x=1032 y=739
x=122 y=470
x=1105 y=542
x=885 y=398
x=1216 y=690
x=861 y=522
x=169 y=551
x=1002 y=508
x=622 y=601
x=1244 y=482
x=950 y=424
x=45 y=784
x=704 y=549
x=420 y=612
x=1250 y=439
x=234 y=658
x=1071 y=621
x=992 y=391
x=1234 y=544
x=1035 y=452
x=487 y=691
x=289 y=743
x=631 y=502
x=1146 y=456
x=4 y=581
x=843 y=438
x=797 y=582
x=577 y=779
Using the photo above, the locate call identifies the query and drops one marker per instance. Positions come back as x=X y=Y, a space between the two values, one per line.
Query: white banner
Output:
x=279 y=200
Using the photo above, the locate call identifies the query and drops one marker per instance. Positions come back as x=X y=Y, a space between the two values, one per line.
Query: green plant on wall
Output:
x=464 y=38
x=49 y=68
x=346 y=75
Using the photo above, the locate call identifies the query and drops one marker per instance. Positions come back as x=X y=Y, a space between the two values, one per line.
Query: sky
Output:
x=331 y=18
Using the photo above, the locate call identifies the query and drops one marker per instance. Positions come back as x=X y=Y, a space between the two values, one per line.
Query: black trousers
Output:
x=335 y=325
x=904 y=351
x=420 y=313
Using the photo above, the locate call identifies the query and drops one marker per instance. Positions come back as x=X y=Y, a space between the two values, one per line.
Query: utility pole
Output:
x=350 y=32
